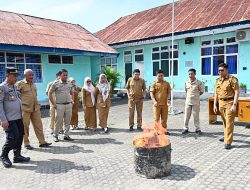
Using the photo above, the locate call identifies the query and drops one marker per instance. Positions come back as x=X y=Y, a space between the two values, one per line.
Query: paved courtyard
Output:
x=105 y=161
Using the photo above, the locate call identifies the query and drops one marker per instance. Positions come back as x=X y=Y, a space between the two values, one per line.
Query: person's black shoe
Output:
x=106 y=130
x=221 y=139
x=5 y=160
x=61 y=131
x=167 y=133
x=29 y=147
x=55 y=138
x=67 y=138
x=45 y=145
x=131 y=128
x=228 y=146
x=198 y=132
x=20 y=158
x=184 y=132
x=139 y=129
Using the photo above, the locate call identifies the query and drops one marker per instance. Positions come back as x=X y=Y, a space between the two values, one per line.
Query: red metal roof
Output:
x=19 y=29
x=189 y=15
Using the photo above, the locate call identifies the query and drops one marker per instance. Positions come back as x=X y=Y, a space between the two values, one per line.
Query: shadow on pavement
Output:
x=51 y=166
x=96 y=141
x=63 y=150
x=180 y=173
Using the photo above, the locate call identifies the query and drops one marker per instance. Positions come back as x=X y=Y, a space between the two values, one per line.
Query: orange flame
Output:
x=152 y=137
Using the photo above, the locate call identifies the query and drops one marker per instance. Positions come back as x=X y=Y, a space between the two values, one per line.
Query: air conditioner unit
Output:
x=243 y=35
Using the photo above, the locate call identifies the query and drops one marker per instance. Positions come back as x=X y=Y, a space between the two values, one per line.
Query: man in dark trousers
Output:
x=11 y=118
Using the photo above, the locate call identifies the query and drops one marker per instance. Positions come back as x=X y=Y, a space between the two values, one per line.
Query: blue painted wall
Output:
x=192 y=53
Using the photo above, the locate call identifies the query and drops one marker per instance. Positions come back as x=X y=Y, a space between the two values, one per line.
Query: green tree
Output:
x=112 y=76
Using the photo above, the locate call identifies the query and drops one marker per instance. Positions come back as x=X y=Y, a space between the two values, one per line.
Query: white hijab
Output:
x=104 y=88
x=90 y=89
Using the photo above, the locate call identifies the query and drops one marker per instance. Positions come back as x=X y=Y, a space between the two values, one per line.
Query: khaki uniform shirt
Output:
x=193 y=89
x=62 y=92
x=100 y=102
x=28 y=96
x=136 y=88
x=86 y=98
x=225 y=90
x=161 y=91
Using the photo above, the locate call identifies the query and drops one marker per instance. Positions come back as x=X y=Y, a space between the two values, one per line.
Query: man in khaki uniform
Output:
x=52 y=109
x=194 y=88
x=62 y=104
x=226 y=94
x=31 y=110
x=160 y=93
x=136 y=89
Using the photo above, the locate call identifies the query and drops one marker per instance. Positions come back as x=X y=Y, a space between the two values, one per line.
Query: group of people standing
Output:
x=19 y=106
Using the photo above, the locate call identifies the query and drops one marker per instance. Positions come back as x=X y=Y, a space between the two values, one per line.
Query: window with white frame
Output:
x=127 y=56
x=21 y=61
x=162 y=60
x=60 y=59
x=221 y=50
x=109 y=62
x=139 y=57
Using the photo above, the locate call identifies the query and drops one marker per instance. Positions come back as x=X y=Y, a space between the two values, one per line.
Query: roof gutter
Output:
x=184 y=34
x=50 y=50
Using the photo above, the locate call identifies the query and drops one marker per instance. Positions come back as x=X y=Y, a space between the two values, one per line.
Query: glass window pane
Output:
x=206 y=66
x=155 y=67
x=2 y=72
x=138 y=51
x=175 y=47
x=114 y=60
x=33 y=58
x=164 y=55
x=232 y=48
x=15 y=57
x=55 y=59
x=165 y=67
x=164 y=48
x=21 y=68
x=156 y=56
x=67 y=59
x=232 y=64
x=156 y=49
x=138 y=58
x=175 y=54
x=114 y=67
x=127 y=52
x=206 y=43
x=216 y=61
x=2 y=59
x=37 y=71
x=206 y=51
x=102 y=60
x=218 y=50
x=128 y=59
x=175 y=68
x=108 y=60
x=231 y=40
x=218 y=41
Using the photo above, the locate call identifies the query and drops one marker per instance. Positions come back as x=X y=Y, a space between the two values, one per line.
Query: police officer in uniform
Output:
x=136 y=89
x=11 y=118
x=194 y=88
x=31 y=110
x=160 y=93
x=62 y=104
x=226 y=94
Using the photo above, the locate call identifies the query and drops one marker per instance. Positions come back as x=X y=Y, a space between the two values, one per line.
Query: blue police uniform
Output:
x=10 y=110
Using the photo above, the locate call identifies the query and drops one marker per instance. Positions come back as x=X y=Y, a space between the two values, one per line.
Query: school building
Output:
x=46 y=46
x=207 y=33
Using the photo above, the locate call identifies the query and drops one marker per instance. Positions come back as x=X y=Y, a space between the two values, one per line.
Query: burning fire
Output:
x=152 y=137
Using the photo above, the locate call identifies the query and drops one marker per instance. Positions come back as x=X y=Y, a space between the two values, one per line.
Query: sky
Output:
x=93 y=15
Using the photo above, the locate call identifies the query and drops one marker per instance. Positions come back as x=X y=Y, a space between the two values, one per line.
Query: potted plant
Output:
x=243 y=88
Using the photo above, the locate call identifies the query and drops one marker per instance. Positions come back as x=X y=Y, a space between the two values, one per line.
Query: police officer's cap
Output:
x=11 y=70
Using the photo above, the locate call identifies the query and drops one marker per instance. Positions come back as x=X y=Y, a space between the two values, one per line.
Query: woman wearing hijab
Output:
x=89 y=104
x=75 y=91
x=103 y=93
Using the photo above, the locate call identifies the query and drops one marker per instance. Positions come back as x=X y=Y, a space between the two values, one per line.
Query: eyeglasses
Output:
x=88 y=81
x=221 y=70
